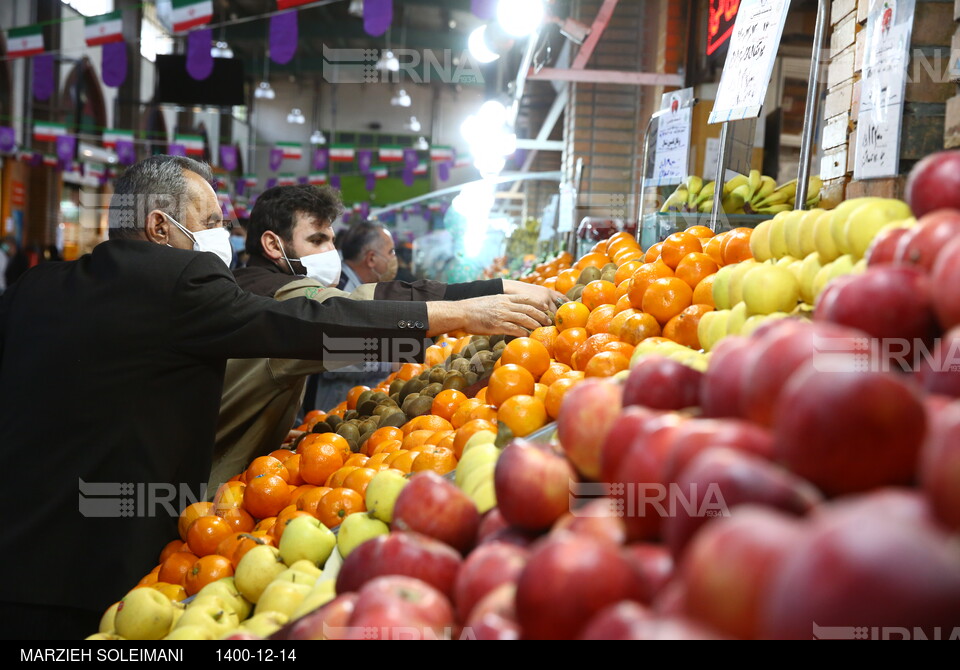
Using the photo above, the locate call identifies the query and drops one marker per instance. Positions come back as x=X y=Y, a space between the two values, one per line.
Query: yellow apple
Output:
x=104 y=636
x=211 y=615
x=738 y=316
x=867 y=221
x=760 y=241
x=357 y=529
x=826 y=247
x=839 y=218
x=477 y=476
x=737 y=275
x=257 y=568
x=770 y=289
x=792 y=233
x=484 y=453
x=479 y=438
x=305 y=538
x=319 y=596
x=808 y=272
x=778 y=235
x=485 y=496
x=144 y=614
x=721 y=288
x=264 y=624
x=108 y=618
x=192 y=632
x=282 y=596
x=808 y=228
x=226 y=589
x=382 y=492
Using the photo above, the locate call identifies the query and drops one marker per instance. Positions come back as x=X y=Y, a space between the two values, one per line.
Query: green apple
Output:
x=305 y=538
x=778 y=235
x=257 y=568
x=760 y=241
x=738 y=316
x=226 y=589
x=737 y=275
x=826 y=247
x=382 y=493
x=264 y=624
x=307 y=568
x=296 y=577
x=107 y=620
x=485 y=496
x=792 y=232
x=808 y=272
x=808 y=228
x=361 y=527
x=484 y=453
x=144 y=614
x=477 y=476
x=770 y=289
x=721 y=287
x=859 y=267
x=714 y=330
x=703 y=328
x=866 y=222
x=319 y=596
x=211 y=615
x=752 y=324
x=479 y=438
x=192 y=632
x=282 y=596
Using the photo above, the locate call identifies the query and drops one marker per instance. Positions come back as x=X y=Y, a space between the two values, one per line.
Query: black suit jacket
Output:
x=111 y=370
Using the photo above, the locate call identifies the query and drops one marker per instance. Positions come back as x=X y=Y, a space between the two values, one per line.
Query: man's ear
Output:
x=157 y=229
x=270 y=244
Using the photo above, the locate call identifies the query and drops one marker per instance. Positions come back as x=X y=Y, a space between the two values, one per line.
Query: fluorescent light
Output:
x=318 y=137
x=296 y=116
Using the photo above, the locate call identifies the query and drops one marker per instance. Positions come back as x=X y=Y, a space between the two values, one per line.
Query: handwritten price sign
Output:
x=750 y=59
x=673 y=139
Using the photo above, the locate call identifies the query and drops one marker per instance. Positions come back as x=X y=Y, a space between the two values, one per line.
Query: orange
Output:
x=353 y=394
x=523 y=414
x=410 y=370
x=696 y=267
x=376 y=462
x=171 y=547
x=433 y=356
x=416 y=439
x=308 y=501
x=590 y=348
x=677 y=246
x=566 y=280
x=625 y=271
x=174 y=569
x=714 y=248
x=574 y=374
x=292 y=465
x=245 y=543
x=403 y=460
x=283 y=520
x=314 y=415
x=338 y=441
x=488 y=412
x=623 y=288
x=266 y=465
x=437 y=459
x=381 y=435
x=620 y=348
x=438 y=437
x=598 y=293
x=174 y=592
x=281 y=454
x=467 y=431
x=482 y=393
x=238 y=519
x=555 y=395
x=299 y=491
x=510 y=380
x=702 y=232
x=359 y=479
x=617 y=245
x=639 y=327
x=600 y=318
x=336 y=479
x=206 y=570
x=703 y=293
x=572 y=315
x=426 y=422
x=682 y=328
x=616 y=323
x=547 y=336
x=653 y=253
x=266 y=495
x=527 y=353
x=568 y=342
x=736 y=246
x=357 y=460
x=318 y=461
x=264 y=525
x=665 y=298
x=593 y=259
x=554 y=373
x=190 y=514
x=446 y=403
x=148 y=580
x=462 y=415
x=624 y=301
x=644 y=276
x=607 y=364
x=229 y=544
x=540 y=391
x=387 y=447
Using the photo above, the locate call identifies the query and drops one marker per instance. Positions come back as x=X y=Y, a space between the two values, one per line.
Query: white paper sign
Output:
x=750 y=60
x=673 y=139
x=712 y=159
x=889 y=26
x=567 y=205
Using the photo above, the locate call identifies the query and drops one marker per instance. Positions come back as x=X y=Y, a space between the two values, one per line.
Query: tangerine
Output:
x=528 y=353
x=665 y=298
x=696 y=267
x=510 y=380
x=572 y=315
x=677 y=246
x=598 y=293
x=523 y=414
x=206 y=570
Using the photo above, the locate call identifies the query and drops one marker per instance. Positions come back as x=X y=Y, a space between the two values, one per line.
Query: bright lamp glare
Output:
x=478 y=46
x=492 y=113
x=520 y=18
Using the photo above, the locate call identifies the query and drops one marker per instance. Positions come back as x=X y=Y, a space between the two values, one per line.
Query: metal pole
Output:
x=812 y=111
x=721 y=176
x=643 y=177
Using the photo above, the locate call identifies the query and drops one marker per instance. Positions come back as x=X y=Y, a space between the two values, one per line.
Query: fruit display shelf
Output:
x=657 y=227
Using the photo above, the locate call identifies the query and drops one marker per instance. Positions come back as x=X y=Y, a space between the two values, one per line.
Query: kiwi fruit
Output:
x=424 y=376
x=395 y=397
x=609 y=275
x=481 y=359
x=364 y=397
x=369 y=426
x=367 y=408
x=495 y=340
x=437 y=374
x=364 y=437
x=348 y=431
x=378 y=396
x=455 y=380
x=333 y=421
x=432 y=390
x=471 y=378
x=609 y=267
x=408 y=401
x=421 y=405
x=396 y=386
x=395 y=418
x=575 y=292
x=588 y=275
x=321 y=427
x=413 y=386
x=499 y=347
x=461 y=365
x=350 y=415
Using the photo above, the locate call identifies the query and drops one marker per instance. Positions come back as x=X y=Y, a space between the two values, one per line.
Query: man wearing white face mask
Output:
x=291 y=255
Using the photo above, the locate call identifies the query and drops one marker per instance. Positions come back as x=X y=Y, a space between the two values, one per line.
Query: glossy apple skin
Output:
x=588 y=411
x=435 y=507
x=327 y=623
x=486 y=568
x=655 y=566
x=934 y=183
x=939 y=373
x=396 y=607
x=533 y=485
x=697 y=435
x=924 y=242
x=617 y=622
x=940 y=467
x=883 y=249
x=946 y=279
x=632 y=422
x=721 y=387
x=662 y=383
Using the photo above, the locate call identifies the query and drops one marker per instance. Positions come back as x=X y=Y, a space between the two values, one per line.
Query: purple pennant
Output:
x=126 y=152
x=105 y=176
x=199 y=56
x=443 y=170
x=365 y=210
x=177 y=150
x=335 y=181
x=484 y=9
x=36 y=160
x=66 y=148
x=321 y=159
x=408 y=177
x=271 y=182
x=228 y=157
x=365 y=160
x=8 y=140
x=43 y=77
x=115 y=63
x=371 y=182
x=241 y=186
x=410 y=158
x=303 y=180
x=283 y=37
x=377 y=16
x=276 y=158
x=405 y=215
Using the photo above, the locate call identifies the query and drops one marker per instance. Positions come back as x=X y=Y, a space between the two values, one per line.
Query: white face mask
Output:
x=324 y=268
x=214 y=240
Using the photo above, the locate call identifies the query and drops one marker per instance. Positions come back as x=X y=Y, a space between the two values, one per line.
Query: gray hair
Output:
x=157 y=183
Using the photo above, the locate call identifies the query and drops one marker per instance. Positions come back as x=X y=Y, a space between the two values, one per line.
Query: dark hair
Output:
x=153 y=183
x=359 y=239
x=277 y=208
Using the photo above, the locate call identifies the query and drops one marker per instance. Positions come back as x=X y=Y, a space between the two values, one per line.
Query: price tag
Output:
x=749 y=66
x=673 y=138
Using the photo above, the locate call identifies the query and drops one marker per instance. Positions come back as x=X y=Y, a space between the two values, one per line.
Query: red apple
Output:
x=946 y=280
x=500 y=602
x=568 y=580
x=327 y=623
x=400 y=553
x=654 y=565
x=900 y=505
x=631 y=422
x=883 y=249
x=533 y=485
x=492 y=627
x=939 y=373
x=518 y=537
x=729 y=564
x=490 y=523
x=672 y=598
x=662 y=383
x=927 y=239
x=486 y=568
x=858 y=572
x=849 y=431
x=617 y=622
x=599 y=519
x=435 y=507
x=241 y=636
x=940 y=466
x=400 y=608
x=721 y=387
x=672 y=628
x=699 y=434
x=588 y=411
x=934 y=183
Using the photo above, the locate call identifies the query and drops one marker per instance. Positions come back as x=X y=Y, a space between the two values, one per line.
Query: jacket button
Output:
x=419 y=325
x=401 y=324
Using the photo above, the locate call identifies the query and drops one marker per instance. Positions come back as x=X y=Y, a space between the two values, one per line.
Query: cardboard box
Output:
x=841 y=68
x=841 y=8
x=932 y=25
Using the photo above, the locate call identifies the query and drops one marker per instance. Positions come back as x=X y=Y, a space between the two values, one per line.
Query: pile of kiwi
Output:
x=408 y=399
x=587 y=275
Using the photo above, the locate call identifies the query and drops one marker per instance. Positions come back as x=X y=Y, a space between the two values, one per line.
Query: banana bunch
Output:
x=762 y=195
x=693 y=195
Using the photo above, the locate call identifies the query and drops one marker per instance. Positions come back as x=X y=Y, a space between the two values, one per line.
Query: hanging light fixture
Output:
x=318 y=138
x=421 y=144
x=388 y=62
x=221 y=49
x=402 y=99
x=414 y=125
x=296 y=117
x=264 y=91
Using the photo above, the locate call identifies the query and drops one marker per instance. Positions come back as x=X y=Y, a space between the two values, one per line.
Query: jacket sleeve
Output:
x=426 y=290
x=214 y=318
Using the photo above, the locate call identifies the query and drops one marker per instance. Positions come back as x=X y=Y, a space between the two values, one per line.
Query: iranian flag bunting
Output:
x=103 y=29
x=342 y=153
x=421 y=169
x=250 y=180
x=441 y=154
x=50 y=160
x=318 y=178
x=391 y=154
x=191 y=13
x=111 y=137
x=291 y=150
x=44 y=131
x=286 y=180
x=380 y=171
x=25 y=41
x=193 y=144
x=287 y=4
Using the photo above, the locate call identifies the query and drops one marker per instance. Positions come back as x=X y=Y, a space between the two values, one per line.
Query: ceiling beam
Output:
x=549 y=123
x=607 y=77
x=596 y=32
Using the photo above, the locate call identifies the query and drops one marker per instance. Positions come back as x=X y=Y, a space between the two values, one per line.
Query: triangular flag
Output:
x=45 y=131
x=103 y=29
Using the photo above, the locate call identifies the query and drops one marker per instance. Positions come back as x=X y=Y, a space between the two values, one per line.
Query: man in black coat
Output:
x=133 y=338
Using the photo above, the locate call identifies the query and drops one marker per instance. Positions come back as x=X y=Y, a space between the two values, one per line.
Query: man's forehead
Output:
x=312 y=223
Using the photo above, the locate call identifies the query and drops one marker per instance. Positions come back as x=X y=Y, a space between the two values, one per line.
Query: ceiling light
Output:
x=520 y=18
x=402 y=99
x=296 y=116
x=318 y=138
x=422 y=144
x=414 y=125
x=479 y=48
x=356 y=8
x=221 y=50
x=388 y=62
x=265 y=91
